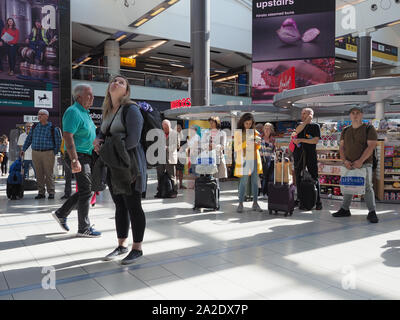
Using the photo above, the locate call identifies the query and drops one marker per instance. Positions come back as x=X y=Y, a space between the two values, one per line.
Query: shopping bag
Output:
x=353 y=181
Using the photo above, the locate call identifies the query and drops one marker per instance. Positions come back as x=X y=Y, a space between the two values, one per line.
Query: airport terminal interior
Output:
x=191 y=60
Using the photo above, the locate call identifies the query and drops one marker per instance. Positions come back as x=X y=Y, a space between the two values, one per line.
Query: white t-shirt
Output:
x=21 y=141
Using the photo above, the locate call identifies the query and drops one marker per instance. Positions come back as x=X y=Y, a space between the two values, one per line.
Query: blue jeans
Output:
x=249 y=166
x=27 y=164
x=12 y=56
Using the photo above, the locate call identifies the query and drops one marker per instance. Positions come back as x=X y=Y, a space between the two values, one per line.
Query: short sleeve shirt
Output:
x=355 y=141
x=77 y=120
x=310 y=131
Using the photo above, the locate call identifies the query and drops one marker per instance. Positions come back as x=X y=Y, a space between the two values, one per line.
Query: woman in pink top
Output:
x=10 y=36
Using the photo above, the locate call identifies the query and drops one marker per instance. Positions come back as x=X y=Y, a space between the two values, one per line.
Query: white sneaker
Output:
x=256 y=207
x=240 y=208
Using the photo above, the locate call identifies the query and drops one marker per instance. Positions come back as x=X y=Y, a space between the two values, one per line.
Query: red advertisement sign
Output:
x=183 y=103
x=287 y=79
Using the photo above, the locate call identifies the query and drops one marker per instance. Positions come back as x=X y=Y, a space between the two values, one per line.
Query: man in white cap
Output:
x=357 y=144
x=46 y=142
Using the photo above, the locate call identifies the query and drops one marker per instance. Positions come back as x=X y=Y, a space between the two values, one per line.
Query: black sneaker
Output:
x=342 y=213
x=64 y=197
x=117 y=252
x=132 y=256
x=61 y=221
x=296 y=202
x=372 y=217
x=318 y=206
x=40 y=196
x=51 y=196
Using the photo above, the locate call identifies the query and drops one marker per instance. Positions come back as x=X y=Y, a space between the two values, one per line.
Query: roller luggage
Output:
x=281 y=194
x=206 y=193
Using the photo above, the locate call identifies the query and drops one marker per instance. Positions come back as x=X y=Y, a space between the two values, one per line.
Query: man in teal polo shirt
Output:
x=79 y=134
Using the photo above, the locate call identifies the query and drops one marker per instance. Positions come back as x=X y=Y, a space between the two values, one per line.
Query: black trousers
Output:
x=267 y=176
x=80 y=199
x=312 y=167
x=4 y=164
x=128 y=212
x=68 y=176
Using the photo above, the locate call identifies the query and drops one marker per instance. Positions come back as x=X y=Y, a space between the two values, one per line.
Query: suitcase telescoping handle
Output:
x=283 y=166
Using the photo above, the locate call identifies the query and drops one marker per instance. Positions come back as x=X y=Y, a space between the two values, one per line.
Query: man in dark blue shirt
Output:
x=46 y=141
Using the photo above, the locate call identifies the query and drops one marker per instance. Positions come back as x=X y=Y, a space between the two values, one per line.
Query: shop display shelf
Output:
x=329 y=185
x=335 y=160
x=395 y=173
x=329 y=174
x=392 y=189
x=328 y=149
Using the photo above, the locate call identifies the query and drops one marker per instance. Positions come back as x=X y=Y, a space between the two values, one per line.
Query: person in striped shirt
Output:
x=45 y=140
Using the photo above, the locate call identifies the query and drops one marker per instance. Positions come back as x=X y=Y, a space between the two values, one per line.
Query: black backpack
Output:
x=151 y=120
x=307 y=192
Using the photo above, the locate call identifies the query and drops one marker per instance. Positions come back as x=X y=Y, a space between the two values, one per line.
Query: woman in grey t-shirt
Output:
x=128 y=207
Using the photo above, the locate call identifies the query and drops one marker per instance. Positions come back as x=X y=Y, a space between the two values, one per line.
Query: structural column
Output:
x=200 y=44
x=112 y=55
x=379 y=110
x=364 y=50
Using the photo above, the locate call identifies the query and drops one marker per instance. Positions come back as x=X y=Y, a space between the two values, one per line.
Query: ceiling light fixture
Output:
x=176 y=65
x=393 y=23
x=157 y=11
x=165 y=59
x=172 y=2
x=141 y=22
x=121 y=37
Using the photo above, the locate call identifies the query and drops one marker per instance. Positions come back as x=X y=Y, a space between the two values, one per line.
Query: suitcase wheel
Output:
x=194 y=209
x=291 y=213
x=276 y=212
x=270 y=211
x=286 y=214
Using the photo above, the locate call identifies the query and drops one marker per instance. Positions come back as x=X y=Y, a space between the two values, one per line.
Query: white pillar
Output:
x=111 y=51
x=379 y=110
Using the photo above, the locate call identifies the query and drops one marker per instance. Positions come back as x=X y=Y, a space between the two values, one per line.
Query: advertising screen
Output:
x=297 y=33
x=29 y=58
x=308 y=72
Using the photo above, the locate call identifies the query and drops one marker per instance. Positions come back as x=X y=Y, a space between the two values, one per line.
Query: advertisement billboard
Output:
x=267 y=75
x=290 y=30
x=29 y=58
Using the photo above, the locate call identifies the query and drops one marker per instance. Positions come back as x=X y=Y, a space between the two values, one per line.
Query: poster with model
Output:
x=29 y=65
x=293 y=29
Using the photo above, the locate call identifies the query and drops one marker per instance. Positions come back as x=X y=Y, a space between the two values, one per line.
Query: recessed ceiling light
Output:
x=157 y=11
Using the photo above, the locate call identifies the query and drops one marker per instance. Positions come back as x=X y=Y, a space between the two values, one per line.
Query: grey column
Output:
x=112 y=52
x=200 y=43
x=364 y=50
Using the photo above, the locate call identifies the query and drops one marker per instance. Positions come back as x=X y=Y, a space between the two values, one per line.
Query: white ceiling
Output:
x=86 y=38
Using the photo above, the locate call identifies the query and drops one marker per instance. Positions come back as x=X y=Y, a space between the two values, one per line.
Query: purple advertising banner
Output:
x=286 y=30
x=29 y=58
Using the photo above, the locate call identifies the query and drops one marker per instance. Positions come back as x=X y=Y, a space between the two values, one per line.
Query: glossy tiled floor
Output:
x=209 y=255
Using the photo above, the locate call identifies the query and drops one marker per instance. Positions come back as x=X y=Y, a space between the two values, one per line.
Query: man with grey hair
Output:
x=171 y=143
x=46 y=141
x=79 y=134
x=308 y=134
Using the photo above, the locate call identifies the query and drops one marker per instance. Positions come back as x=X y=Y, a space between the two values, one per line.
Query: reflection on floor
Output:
x=200 y=255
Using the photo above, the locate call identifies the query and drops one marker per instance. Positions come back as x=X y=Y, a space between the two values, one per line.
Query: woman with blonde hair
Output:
x=267 y=152
x=247 y=143
x=128 y=198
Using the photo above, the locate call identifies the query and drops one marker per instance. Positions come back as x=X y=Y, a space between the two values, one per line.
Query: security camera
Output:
x=374 y=7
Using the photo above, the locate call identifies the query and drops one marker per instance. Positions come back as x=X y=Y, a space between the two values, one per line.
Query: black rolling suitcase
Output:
x=206 y=193
x=281 y=194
